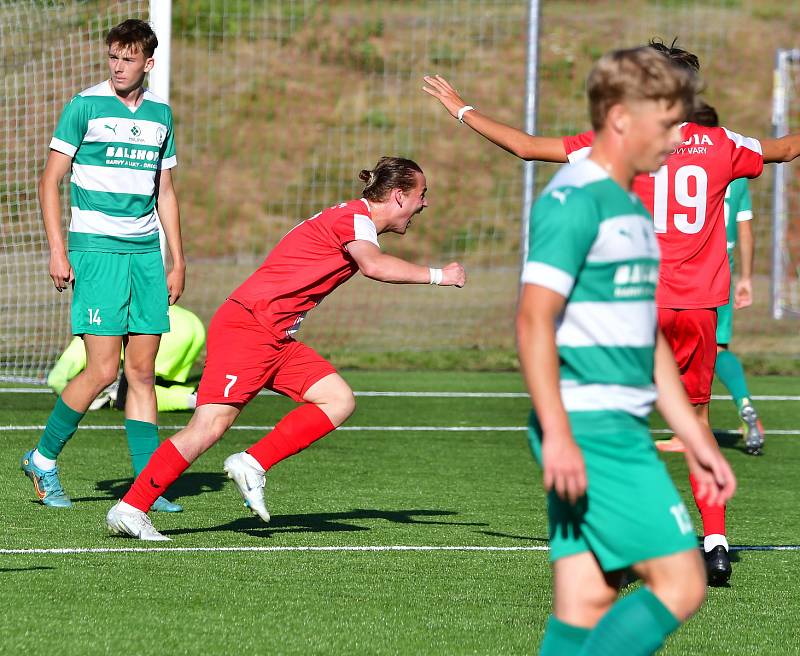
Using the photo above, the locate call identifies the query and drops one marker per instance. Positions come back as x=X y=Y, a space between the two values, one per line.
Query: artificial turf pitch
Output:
x=358 y=488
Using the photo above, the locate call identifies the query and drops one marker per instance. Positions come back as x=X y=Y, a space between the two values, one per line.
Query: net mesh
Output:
x=279 y=104
x=50 y=51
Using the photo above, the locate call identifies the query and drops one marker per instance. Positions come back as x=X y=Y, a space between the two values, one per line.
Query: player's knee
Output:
x=683 y=589
x=341 y=406
x=694 y=592
x=140 y=376
x=102 y=373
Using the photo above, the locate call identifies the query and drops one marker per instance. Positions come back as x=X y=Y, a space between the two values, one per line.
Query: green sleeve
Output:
x=563 y=228
x=71 y=128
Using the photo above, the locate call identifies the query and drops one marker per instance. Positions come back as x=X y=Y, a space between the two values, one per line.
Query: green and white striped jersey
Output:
x=116 y=153
x=593 y=242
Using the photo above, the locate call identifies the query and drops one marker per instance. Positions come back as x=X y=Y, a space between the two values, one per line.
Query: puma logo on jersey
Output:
x=108 y=127
x=625 y=233
x=560 y=196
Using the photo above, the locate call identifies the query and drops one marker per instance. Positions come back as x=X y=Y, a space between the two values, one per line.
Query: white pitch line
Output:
x=433 y=395
x=407 y=429
x=371 y=548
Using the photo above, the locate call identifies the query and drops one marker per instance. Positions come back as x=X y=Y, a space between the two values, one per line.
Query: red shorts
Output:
x=244 y=357
x=692 y=335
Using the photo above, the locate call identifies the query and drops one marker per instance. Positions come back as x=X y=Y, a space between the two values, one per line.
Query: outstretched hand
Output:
x=441 y=89
x=454 y=275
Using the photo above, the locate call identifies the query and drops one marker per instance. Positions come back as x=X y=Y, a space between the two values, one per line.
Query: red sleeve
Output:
x=746 y=158
x=578 y=141
x=343 y=228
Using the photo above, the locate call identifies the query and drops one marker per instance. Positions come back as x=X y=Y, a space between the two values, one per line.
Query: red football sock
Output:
x=294 y=432
x=713 y=516
x=161 y=471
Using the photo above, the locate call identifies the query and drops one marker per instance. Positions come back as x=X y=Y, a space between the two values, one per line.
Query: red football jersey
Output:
x=305 y=266
x=686 y=197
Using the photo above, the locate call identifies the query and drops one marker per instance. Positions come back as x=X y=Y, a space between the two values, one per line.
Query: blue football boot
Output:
x=45 y=483
x=165 y=505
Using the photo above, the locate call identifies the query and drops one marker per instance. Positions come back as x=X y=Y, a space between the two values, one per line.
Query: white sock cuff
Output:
x=714 y=540
x=42 y=462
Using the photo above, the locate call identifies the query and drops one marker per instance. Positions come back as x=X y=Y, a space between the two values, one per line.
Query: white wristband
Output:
x=436 y=276
x=463 y=111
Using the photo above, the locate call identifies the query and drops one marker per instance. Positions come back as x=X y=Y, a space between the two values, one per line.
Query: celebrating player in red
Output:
x=251 y=344
x=686 y=198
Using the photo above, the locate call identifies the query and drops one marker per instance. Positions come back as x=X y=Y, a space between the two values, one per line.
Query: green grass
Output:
x=358 y=488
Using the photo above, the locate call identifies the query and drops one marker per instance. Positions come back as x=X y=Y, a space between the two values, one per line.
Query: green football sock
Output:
x=142 y=442
x=636 y=625
x=729 y=371
x=562 y=639
x=61 y=426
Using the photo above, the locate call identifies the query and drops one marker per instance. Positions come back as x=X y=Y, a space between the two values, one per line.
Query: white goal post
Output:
x=786 y=194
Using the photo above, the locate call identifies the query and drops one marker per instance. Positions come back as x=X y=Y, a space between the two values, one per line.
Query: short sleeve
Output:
x=168 y=156
x=745 y=210
x=578 y=146
x=353 y=227
x=562 y=230
x=71 y=128
x=746 y=158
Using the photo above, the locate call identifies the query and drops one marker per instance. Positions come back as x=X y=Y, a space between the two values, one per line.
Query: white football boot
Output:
x=124 y=519
x=244 y=470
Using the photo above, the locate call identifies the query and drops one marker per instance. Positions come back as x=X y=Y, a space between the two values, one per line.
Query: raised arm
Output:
x=705 y=461
x=784 y=149
x=375 y=264
x=562 y=461
x=54 y=171
x=169 y=214
x=523 y=145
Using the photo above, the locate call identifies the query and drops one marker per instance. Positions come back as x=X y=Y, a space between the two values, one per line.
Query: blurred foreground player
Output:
x=686 y=199
x=251 y=344
x=594 y=362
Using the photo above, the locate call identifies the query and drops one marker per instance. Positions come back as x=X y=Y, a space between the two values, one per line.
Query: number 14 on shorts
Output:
x=94 y=316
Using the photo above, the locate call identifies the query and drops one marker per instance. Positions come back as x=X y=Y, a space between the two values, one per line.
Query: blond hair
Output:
x=637 y=74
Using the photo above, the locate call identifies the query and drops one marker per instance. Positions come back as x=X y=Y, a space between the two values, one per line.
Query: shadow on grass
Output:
x=326 y=522
x=188 y=485
x=730 y=440
x=9 y=570
x=530 y=538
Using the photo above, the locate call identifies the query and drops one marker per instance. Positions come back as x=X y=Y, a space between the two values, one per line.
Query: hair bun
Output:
x=365 y=175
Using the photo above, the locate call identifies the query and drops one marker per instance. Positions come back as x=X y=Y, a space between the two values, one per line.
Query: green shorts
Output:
x=725 y=322
x=632 y=511
x=119 y=293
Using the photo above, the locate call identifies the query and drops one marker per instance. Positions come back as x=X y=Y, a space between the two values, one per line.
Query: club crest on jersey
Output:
x=694 y=145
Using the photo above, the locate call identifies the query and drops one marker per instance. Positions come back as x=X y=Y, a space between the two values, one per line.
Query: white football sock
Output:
x=714 y=540
x=41 y=462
